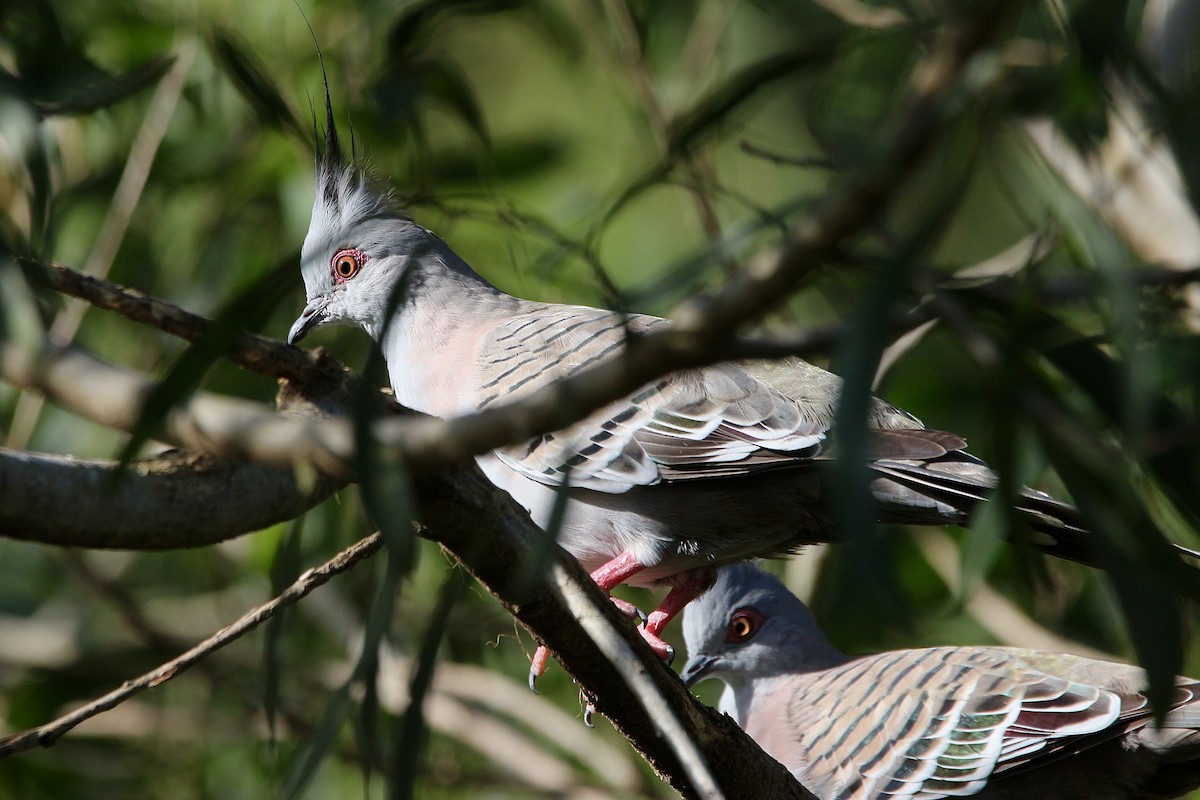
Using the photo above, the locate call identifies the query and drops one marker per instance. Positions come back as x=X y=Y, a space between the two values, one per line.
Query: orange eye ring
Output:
x=346 y=264
x=743 y=624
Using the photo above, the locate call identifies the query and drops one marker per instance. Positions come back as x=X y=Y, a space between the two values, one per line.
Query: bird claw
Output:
x=630 y=610
x=661 y=649
x=537 y=666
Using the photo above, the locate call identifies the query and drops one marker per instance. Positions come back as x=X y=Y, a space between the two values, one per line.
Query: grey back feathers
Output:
x=938 y=722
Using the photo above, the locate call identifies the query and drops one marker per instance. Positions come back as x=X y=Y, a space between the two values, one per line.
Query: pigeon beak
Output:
x=696 y=669
x=311 y=317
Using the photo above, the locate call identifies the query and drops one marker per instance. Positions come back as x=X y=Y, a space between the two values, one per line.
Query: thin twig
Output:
x=46 y=735
x=248 y=350
x=697 y=174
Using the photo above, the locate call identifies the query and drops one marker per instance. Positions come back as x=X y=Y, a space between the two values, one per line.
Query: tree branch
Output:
x=171 y=501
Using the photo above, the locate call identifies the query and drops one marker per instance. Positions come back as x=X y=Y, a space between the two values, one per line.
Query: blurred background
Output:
x=608 y=152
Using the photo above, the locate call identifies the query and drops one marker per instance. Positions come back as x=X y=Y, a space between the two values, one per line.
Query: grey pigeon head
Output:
x=749 y=626
x=358 y=246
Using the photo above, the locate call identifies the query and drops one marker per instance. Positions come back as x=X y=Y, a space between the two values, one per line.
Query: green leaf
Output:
x=1149 y=579
x=253 y=82
x=20 y=321
x=304 y=766
x=245 y=311
x=108 y=91
x=410 y=739
x=403 y=86
x=285 y=568
x=412 y=30
x=689 y=127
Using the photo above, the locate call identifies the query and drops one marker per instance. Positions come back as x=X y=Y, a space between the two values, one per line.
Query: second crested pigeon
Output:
x=704 y=467
x=992 y=722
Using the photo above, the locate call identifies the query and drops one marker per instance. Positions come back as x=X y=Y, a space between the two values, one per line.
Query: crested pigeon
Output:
x=662 y=482
x=996 y=722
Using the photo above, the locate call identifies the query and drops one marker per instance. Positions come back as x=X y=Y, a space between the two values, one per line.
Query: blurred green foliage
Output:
x=594 y=152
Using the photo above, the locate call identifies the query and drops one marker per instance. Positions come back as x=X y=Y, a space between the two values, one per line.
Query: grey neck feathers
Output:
x=436 y=276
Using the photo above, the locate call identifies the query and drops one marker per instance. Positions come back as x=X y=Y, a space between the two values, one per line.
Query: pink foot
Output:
x=685 y=587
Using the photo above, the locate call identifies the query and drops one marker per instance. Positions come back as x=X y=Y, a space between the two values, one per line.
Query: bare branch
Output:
x=563 y=607
x=113 y=397
x=248 y=350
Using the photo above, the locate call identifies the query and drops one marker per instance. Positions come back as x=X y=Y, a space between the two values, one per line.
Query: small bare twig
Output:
x=46 y=735
x=697 y=174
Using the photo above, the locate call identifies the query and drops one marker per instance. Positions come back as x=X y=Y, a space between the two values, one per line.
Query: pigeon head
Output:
x=748 y=626
x=358 y=248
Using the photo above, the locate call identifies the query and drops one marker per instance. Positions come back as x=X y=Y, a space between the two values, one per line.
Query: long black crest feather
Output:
x=329 y=158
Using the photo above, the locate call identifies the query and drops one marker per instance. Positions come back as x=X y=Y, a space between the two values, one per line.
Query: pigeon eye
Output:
x=346 y=264
x=744 y=623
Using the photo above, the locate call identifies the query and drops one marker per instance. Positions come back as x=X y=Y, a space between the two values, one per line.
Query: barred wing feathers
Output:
x=708 y=422
x=940 y=722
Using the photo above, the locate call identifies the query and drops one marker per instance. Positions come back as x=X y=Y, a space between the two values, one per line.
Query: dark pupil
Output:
x=345 y=267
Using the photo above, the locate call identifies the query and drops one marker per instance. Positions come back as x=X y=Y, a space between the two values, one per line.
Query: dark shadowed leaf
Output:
x=55 y=74
x=304 y=766
x=413 y=28
x=404 y=86
x=714 y=108
x=1092 y=368
x=411 y=733
x=285 y=567
x=252 y=81
x=1150 y=580
x=106 y=92
x=246 y=311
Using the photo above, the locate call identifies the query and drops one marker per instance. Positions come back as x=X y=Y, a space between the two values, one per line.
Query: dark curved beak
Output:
x=312 y=317
x=696 y=669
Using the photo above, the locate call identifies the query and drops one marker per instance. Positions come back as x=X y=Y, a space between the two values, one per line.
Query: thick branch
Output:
x=479 y=524
x=208 y=423
x=168 y=502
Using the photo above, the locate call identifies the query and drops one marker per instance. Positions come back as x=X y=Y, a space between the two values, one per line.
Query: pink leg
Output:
x=686 y=587
x=617 y=571
x=614 y=573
